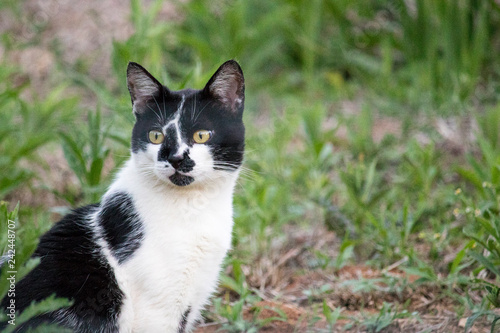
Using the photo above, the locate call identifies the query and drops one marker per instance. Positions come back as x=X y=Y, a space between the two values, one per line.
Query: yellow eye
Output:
x=202 y=136
x=156 y=137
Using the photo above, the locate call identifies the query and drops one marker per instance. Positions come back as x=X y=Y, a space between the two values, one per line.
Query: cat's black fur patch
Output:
x=181 y=180
x=71 y=266
x=122 y=228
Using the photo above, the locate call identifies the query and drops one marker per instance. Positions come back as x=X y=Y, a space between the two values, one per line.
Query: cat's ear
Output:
x=141 y=85
x=227 y=85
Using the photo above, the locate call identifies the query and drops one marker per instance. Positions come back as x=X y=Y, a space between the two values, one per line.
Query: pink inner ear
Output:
x=141 y=85
x=228 y=88
x=232 y=96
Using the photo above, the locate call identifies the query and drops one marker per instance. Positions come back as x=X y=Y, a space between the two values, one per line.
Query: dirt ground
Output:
x=282 y=278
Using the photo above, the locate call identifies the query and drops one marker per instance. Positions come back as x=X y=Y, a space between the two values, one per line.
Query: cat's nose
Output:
x=175 y=160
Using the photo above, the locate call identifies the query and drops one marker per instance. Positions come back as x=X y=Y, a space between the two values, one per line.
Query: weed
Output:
x=148 y=44
x=18 y=123
x=475 y=316
x=480 y=208
x=18 y=241
x=331 y=316
x=87 y=156
x=386 y=316
x=235 y=320
x=315 y=294
x=345 y=254
x=233 y=312
x=454 y=58
x=245 y=32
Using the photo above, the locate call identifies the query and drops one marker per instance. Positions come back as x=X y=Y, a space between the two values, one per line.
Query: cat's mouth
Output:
x=180 y=179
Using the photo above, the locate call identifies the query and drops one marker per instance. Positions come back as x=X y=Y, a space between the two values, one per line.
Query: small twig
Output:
x=210 y=324
x=426 y=304
x=396 y=264
x=290 y=254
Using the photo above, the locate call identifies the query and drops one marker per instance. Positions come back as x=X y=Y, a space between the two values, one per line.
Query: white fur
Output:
x=187 y=233
x=175 y=122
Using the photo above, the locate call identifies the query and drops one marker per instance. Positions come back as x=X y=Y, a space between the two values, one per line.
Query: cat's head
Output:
x=189 y=136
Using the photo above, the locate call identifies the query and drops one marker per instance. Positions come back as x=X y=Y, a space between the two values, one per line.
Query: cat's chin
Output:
x=181 y=180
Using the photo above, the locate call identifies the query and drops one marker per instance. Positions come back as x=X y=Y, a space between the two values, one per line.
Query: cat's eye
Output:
x=156 y=137
x=202 y=136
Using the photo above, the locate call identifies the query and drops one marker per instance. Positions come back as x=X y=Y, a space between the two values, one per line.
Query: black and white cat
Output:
x=147 y=258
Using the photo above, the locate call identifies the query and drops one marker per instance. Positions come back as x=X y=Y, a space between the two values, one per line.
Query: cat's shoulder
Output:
x=73 y=230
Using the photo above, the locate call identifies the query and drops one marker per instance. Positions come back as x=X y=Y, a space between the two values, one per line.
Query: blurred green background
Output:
x=372 y=141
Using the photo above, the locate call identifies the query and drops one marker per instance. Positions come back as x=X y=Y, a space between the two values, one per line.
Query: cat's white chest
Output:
x=176 y=267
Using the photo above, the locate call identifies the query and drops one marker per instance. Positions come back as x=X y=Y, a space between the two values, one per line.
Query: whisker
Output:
x=193 y=109
x=231 y=167
x=164 y=105
x=162 y=118
x=157 y=115
x=199 y=113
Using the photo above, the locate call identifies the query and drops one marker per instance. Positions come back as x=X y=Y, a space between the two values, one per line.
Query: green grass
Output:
x=403 y=199
x=21 y=118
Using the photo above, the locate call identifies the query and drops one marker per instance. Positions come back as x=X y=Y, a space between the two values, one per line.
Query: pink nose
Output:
x=175 y=160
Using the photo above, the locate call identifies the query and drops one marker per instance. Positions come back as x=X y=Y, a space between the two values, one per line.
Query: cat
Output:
x=147 y=257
